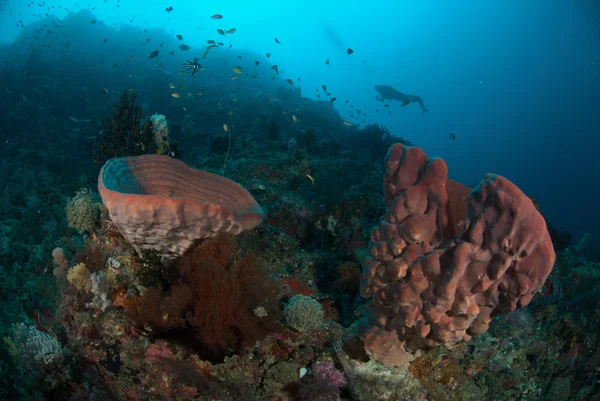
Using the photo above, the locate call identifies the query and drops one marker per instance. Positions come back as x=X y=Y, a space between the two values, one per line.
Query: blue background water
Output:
x=517 y=82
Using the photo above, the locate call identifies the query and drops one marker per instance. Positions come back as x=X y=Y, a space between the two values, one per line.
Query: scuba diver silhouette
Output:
x=388 y=92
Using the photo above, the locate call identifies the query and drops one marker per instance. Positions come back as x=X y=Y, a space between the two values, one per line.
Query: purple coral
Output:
x=326 y=371
x=324 y=384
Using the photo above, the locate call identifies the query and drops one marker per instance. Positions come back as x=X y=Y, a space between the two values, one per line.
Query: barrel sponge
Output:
x=159 y=203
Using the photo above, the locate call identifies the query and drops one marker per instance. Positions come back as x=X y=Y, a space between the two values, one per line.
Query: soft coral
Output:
x=219 y=288
x=228 y=286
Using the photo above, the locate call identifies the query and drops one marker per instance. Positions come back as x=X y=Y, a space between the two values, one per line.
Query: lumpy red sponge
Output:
x=444 y=261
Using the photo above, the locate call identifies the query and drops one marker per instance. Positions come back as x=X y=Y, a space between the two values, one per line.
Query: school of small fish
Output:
x=239 y=71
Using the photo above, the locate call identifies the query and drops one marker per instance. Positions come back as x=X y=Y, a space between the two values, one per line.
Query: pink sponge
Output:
x=441 y=265
x=162 y=204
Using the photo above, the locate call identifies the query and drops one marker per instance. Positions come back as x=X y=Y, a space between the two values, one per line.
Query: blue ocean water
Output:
x=518 y=85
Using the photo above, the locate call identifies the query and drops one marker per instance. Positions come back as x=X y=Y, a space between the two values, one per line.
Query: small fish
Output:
x=276 y=68
x=93 y=21
x=333 y=99
x=240 y=57
x=105 y=91
x=221 y=32
x=349 y=51
x=405 y=103
x=193 y=66
x=161 y=44
x=230 y=31
x=295 y=118
x=104 y=40
x=175 y=95
x=289 y=81
x=172 y=53
x=131 y=58
x=257 y=62
x=199 y=93
x=169 y=9
x=237 y=70
x=348 y=123
x=327 y=62
x=225 y=127
x=235 y=77
x=179 y=37
x=222 y=44
x=172 y=86
x=268 y=55
x=184 y=48
x=324 y=88
x=217 y=16
x=452 y=136
x=277 y=41
x=147 y=40
x=212 y=47
x=154 y=54
x=210 y=42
